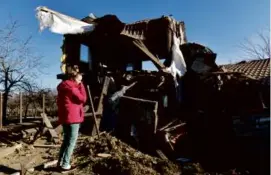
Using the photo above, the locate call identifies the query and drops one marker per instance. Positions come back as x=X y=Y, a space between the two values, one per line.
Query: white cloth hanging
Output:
x=178 y=65
x=60 y=23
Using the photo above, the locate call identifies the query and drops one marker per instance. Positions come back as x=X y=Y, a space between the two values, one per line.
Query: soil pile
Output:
x=108 y=155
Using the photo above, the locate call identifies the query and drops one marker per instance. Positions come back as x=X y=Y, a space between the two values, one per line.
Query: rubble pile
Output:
x=108 y=155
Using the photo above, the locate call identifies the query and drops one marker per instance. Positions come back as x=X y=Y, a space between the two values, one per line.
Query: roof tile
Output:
x=258 y=69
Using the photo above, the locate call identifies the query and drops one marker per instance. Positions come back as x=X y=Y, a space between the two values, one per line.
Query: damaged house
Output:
x=176 y=109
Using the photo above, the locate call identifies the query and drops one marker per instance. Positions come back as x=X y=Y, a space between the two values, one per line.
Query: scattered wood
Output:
x=59 y=129
x=31 y=130
x=103 y=155
x=161 y=154
x=50 y=164
x=36 y=136
x=25 y=167
x=175 y=127
x=47 y=146
x=167 y=125
x=23 y=170
x=50 y=127
x=5 y=152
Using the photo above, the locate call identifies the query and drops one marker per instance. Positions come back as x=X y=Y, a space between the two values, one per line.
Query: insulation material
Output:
x=60 y=23
x=178 y=65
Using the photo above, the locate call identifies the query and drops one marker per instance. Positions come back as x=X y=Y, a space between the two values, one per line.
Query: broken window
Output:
x=148 y=65
x=85 y=55
x=130 y=67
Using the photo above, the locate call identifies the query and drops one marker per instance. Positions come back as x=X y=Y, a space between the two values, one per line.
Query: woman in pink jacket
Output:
x=70 y=100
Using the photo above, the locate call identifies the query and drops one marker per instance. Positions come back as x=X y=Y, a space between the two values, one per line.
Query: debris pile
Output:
x=108 y=155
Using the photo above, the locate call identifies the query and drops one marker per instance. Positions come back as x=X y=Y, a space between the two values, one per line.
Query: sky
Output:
x=220 y=25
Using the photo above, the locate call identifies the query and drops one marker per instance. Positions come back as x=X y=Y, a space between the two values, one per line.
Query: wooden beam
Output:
x=139 y=44
x=175 y=127
x=103 y=94
x=139 y=99
x=155 y=108
x=93 y=112
x=47 y=146
x=167 y=125
x=50 y=127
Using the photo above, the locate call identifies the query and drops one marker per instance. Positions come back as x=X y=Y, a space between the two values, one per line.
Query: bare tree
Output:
x=257 y=47
x=19 y=64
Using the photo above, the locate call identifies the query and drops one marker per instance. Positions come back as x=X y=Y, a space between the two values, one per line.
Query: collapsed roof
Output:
x=117 y=44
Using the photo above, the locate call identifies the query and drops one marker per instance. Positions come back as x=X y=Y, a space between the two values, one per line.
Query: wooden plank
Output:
x=47 y=146
x=166 y=126
x=175 y=127
x=155 y=110
x=161 y=154
x=104 y=155
x=103 y=94
x=139 y=44
x=153 y=103
x=1 y=110
x=7 y=151
x=93 y=111
x=90 y=114
x=23 y=169
x=50 y=127
x=50 y=164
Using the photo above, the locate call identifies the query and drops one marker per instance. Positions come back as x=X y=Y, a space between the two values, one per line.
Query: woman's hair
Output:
x=73 y=71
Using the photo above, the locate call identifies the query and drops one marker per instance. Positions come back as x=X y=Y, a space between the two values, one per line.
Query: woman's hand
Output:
x=78 y=78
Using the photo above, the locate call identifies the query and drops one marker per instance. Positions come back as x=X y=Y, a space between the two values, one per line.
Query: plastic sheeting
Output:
x=60 y=23
x=178 y=65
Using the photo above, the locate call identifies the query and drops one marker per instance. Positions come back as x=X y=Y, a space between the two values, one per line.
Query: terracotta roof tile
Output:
x=258 y=69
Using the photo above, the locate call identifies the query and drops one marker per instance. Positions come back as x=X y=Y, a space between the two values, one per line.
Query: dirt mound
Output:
x=108 y=155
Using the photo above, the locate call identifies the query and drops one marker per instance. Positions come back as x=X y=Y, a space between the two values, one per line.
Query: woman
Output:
x=70 y=101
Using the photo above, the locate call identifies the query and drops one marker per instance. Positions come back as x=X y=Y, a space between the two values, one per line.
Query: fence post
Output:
x=21 y=108
x=1 y=110
x=43 y=103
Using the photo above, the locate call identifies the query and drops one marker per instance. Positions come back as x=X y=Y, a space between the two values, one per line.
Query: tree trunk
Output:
x=26 y=110
x=5 y=99
x=5 y=104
